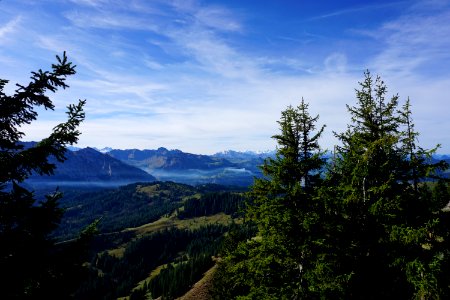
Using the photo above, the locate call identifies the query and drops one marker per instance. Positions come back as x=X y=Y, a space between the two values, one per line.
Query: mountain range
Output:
x=113 y=167
x=168 y=160
x=227 y=168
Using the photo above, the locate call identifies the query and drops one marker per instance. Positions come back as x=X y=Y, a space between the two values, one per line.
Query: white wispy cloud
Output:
x=9 y=27
x=109 y=20
x=357 y=9
x=94 y=3
x=218 y=18
x=414 y=41
x=214 y=55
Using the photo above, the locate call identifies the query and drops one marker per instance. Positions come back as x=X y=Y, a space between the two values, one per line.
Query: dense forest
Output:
x=369 y=222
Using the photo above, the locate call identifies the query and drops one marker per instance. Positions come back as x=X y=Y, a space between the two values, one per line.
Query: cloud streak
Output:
x=9 y=27
x=357 y=9
x=414 y=41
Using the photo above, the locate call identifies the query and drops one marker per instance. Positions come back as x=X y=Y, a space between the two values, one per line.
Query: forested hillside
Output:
x=127 y=206
x=141 y=203
x=155 y=238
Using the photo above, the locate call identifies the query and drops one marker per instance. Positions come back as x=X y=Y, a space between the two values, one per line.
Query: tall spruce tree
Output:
x=31 y=267
x=276 y=264
x=391 y=243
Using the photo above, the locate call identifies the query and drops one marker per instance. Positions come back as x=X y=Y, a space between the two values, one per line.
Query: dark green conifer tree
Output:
x=29 y=262
x=276 y=264
x=386 y=220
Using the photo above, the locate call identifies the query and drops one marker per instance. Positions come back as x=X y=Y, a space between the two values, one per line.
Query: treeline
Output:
x=230 y=203
x=371 y=223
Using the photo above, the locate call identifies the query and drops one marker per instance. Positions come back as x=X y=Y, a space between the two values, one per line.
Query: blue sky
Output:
x=207 y=76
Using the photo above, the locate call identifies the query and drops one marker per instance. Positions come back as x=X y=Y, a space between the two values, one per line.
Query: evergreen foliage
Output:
x=213 y=203
x=276 y=264
x=372 y=226
x=391 y=229
x=31 y=265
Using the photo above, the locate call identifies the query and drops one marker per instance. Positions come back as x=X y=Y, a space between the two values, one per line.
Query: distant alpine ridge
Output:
x=164 y=159
x=169 y=160
x=227 y=168
x=89 y=166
